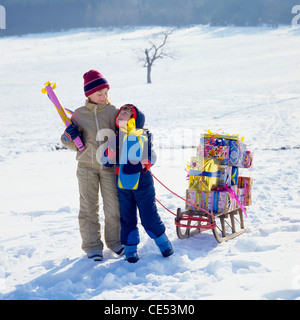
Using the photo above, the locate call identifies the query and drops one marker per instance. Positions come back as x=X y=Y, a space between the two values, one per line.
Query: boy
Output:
x=143 y=197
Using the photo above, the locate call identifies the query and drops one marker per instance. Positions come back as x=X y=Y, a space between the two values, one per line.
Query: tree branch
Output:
x=156 y=51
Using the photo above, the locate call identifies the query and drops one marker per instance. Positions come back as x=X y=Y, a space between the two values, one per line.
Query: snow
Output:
x=237 y=80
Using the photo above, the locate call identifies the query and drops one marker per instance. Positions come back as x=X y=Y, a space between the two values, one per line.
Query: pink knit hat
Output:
x=93 y=82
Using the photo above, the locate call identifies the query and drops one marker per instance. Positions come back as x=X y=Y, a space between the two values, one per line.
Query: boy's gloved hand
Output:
x=71 y=133
x=132 y=168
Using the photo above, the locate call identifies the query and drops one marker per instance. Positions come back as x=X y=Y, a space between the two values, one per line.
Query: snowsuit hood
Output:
x=137 y=115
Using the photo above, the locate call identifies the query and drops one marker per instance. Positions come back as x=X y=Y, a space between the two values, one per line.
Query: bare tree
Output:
x=156 y=51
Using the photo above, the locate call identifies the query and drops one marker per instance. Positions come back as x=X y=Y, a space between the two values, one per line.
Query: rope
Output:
x=165 y=207
x=188 y=218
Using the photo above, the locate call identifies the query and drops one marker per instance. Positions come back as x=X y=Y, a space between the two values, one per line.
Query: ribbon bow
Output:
x=232 y=195
x=131 y=128
x=236 y=135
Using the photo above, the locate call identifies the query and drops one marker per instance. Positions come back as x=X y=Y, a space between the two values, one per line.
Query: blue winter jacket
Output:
x=112 y=155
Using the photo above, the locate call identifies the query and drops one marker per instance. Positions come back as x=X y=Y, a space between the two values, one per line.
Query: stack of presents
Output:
x=215 y=181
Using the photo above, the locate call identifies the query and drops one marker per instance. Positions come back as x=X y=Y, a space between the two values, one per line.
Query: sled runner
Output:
x=225 y=226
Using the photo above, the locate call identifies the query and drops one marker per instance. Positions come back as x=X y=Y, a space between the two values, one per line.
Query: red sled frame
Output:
x=225 y=226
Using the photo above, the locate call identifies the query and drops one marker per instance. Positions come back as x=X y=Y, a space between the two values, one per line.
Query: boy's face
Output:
x=124 y=116
x=99 y=97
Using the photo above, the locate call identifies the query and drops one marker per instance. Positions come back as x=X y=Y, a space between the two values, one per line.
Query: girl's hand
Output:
x=71 y=133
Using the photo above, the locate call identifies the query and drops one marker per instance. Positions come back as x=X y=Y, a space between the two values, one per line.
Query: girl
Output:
x=97 y=114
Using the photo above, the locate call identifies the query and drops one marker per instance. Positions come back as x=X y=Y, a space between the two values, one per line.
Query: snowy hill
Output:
x=239 y=80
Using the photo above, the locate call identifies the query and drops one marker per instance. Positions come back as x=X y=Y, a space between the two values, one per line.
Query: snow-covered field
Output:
x=238 y=80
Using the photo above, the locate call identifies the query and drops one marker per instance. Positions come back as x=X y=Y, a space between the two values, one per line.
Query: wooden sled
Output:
x=225 y=226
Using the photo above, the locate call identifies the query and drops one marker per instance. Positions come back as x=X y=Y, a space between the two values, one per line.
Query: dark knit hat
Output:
x=93 y=82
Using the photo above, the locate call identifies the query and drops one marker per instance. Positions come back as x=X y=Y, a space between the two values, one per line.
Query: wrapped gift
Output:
x=233 y=200
x=212 y=176
x=248 y=159
x=234 y=176
x=215 y=201
x=196 y=164
x=241 y=195
x=237 y=148
x=211 y=148
x=225 y=175
x=236 y=153
x=245 y=182
x=203 y=176
x=245 y=190
x=216 y=152
x=233 y=203
x=192 y=196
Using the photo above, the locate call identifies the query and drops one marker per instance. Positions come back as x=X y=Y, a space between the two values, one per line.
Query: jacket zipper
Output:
x=98 y=128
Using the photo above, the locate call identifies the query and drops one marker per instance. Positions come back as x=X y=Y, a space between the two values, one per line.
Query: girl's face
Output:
x=123 y=117
x=99 y=97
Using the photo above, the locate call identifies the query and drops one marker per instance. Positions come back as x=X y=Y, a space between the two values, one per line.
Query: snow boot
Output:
x=119 y=250
x=164 y=245
x=131 y=254
x=96 y=255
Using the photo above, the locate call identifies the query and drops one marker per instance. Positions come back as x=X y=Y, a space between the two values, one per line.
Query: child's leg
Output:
x=128 y=210
x=145 y=198
x=111 y=208
x=150 y=218
x=89 y=226
x=129 y=231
